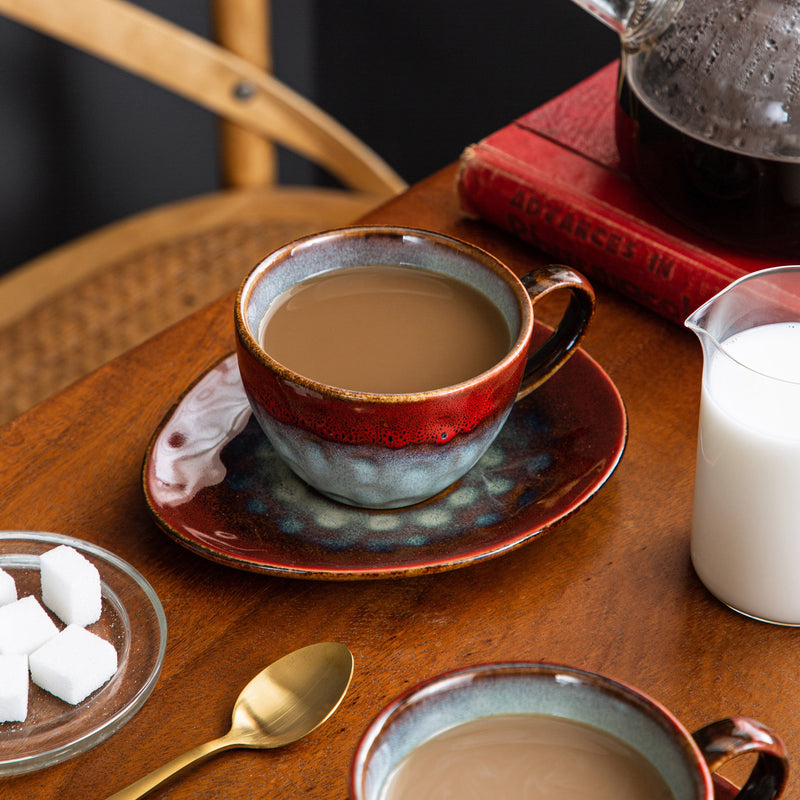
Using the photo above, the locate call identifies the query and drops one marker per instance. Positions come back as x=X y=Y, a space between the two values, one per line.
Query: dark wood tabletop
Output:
x=611 y=589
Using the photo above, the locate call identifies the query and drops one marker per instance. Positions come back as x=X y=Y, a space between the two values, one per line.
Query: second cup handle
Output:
x=560 y=345
x=721 y=741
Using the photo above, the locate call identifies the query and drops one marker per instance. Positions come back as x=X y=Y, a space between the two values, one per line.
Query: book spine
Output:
x=598 y=239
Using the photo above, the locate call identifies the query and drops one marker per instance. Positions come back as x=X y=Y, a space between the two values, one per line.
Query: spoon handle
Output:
x=149 y=782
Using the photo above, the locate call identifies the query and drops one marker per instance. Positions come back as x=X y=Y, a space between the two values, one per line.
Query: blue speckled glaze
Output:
x=371 y=476
x=274 y=491
x=519 y=688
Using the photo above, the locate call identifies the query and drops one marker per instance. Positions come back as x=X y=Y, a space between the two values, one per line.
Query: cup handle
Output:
x=728 y=738
x=561 y=343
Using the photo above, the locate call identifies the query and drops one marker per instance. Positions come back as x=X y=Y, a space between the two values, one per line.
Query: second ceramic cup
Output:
x=506 y=727
x=379 y=449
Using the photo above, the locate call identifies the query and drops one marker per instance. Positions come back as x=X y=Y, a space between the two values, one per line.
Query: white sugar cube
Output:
x=8 y=588
x=24 y=626
x=70 y=586
x=13 y=687
x=73 y=664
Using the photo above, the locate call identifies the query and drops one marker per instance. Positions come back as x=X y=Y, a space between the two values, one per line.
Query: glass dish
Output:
x=132 y=619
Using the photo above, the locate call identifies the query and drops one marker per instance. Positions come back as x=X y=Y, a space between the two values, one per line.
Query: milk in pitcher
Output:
x=746 y=522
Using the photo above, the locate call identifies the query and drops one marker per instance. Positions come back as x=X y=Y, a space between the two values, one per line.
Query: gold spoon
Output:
x=283 y=703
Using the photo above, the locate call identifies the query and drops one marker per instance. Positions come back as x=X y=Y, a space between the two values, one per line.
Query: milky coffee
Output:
x=525 y=757
x=385 y=329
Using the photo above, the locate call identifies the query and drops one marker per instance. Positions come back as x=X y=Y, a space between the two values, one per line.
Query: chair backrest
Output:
x=231 y=79
x=244 y=28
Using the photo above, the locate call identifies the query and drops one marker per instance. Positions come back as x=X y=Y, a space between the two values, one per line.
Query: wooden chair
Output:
x=71 y=310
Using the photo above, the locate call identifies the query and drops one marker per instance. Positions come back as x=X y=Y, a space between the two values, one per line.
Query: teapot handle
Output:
x=561 y=343
x=721 y=741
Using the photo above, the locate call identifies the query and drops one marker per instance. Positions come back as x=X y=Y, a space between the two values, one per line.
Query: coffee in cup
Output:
x=504 y=756
x=385 y=328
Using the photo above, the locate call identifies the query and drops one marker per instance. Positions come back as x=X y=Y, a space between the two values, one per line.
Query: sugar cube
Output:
x=70 y=586
x=73 y=664
x=24 y=626
x=13 y=687
x=8 y=588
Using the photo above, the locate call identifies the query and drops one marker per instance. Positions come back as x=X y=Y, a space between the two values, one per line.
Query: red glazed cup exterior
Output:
x=687 y=762
x=394 y=450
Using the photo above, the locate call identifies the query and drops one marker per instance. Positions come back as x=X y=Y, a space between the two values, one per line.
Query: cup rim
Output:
x=461 y=676
x=518 y=347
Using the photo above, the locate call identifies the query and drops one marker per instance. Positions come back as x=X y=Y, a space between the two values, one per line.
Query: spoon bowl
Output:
x=292 y=697
x=283 y=703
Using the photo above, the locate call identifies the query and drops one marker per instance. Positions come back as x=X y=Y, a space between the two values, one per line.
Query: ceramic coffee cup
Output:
x=686 y=762
x=392 y=450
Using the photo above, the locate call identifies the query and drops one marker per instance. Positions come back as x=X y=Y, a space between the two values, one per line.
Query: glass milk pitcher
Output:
x=745 y=539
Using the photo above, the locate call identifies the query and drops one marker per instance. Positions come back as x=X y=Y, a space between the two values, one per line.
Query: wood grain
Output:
x=611 y=589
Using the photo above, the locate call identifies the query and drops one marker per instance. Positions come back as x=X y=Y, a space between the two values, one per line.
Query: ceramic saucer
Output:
x=213 y=482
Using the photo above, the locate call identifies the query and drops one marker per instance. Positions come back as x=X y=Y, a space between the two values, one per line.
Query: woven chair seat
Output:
x=52 y=341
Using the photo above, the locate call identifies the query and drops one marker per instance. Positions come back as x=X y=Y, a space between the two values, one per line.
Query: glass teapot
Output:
x=709 y=112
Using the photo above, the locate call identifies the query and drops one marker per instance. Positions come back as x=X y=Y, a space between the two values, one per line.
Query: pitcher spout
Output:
x=712 y=321
x=698 y=321
x=701 y=322
x=767 y=297
x=636 y=21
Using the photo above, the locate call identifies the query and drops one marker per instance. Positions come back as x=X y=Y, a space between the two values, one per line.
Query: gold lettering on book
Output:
x=661 y=266
x=535 y=220
x=570 y=223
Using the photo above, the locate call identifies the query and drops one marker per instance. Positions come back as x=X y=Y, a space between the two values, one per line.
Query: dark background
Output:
x=83 y=143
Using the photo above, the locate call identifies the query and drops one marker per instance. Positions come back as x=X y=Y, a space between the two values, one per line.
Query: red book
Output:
x=554 y=178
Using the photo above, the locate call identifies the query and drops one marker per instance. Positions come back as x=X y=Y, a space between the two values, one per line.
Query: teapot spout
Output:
x=636 y=21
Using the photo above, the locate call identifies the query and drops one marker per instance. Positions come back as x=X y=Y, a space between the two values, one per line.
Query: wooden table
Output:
x=611 y=589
